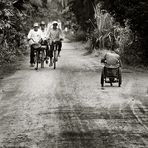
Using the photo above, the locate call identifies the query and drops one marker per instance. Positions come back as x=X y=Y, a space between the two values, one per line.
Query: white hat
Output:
x=43 y=23
x=54 y=22
x=36 y=25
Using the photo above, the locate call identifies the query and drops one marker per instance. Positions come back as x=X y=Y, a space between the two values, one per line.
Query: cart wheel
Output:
x=42 y=58
x=111 y=81
x=54 y=59
x=102 y=79
x=120 y=78
x=37 y=60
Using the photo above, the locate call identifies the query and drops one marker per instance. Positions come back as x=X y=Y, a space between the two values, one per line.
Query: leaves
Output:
x=11 y=24
x=136 y=11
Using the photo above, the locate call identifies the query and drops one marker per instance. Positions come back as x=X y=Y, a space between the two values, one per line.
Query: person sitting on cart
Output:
x=112 y=68
x=112 y=59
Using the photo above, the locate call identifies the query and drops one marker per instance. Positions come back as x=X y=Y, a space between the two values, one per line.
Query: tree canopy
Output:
x=136 y=11
x=15 y=14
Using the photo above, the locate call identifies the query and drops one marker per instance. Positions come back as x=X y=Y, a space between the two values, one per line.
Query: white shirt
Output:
x=35 y=36
x=44 y=34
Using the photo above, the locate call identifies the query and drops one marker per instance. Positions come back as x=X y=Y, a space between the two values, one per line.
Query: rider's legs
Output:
x=32 y=56
x=47 y=54
x=46 y=51
x=59 y=43
x=51 y=54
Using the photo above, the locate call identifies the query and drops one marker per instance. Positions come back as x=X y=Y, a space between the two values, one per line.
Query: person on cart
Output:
x=112 y=60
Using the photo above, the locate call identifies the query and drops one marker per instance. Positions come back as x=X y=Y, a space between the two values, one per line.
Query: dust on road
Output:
x=66 y=107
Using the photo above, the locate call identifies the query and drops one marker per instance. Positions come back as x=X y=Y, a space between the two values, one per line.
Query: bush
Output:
x=76 y=36
x=80 y=36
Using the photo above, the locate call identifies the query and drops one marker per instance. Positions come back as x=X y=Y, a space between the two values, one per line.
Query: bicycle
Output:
x=54 y=54
x=55 y=46
x=39 y=51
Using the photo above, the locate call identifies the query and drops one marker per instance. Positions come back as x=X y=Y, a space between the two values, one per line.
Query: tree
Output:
x=136 y=11
x=15 y=21
x=84 y=11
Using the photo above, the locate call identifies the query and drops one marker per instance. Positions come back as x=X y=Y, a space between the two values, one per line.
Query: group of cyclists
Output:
x=40 y=34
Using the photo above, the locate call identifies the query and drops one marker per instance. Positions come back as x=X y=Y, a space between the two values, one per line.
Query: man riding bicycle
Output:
x=44 y=37
x=55 y=35
x=34 y=37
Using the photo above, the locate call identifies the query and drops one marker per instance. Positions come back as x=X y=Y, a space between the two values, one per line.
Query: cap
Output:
x=54 y=23
x=36 y=25
x=43 y=23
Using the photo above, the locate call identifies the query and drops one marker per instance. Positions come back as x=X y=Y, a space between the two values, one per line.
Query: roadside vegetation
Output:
x=114 y=23
x=16 y=18
x=103 y=24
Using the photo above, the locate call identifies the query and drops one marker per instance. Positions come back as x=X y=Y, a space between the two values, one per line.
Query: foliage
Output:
x=136 y=11
x=17 y=17
x=15 y=22
x=11 y=30
x=84 y=11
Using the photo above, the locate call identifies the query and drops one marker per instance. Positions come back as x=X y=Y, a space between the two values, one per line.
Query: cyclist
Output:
x=55 y=35
x=34 y=37
x=44 y=38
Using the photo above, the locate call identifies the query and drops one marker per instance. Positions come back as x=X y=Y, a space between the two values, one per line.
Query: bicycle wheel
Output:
x=42 y=59
x=54 y=60
x=37 y=60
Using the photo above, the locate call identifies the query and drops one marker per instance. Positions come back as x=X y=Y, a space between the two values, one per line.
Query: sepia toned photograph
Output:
x=73 y=73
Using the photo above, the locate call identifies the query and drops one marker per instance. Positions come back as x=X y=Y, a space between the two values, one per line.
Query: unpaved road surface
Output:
x=66 y=107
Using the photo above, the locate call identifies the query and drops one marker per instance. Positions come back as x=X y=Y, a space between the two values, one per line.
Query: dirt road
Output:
x=66 y=107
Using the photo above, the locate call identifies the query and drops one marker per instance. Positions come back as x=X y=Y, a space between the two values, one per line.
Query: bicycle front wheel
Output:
x=37 y=60
x=54 y=60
